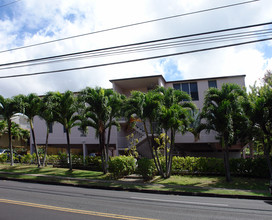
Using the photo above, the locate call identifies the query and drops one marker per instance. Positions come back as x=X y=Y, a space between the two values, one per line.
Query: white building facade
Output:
x=186 y=145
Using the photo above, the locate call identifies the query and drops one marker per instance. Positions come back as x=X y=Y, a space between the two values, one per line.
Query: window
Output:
x=190 y=88
x=51 y=127
x=176 y=86
x=194 y=91
x=212 y=84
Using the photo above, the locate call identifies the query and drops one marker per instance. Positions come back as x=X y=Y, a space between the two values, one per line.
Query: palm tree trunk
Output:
x=150 y=144
x=172 y=146
x=34 y=142
x=102 y=149
x=107 y=147
x=226 y=164
x=46 y=145
x=69 y=150
x=105 y=152
x=267 y=156
x=10 y=143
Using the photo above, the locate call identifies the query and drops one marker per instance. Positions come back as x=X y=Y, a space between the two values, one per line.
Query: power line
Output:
x=159 y=46
x=134 y=60
x=130 y=25
x=134 y=44
x=2 y=6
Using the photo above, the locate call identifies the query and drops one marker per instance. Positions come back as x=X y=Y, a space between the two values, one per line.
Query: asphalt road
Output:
x=20 y=200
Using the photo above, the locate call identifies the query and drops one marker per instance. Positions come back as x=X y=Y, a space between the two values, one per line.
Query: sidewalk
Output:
x=128 y=183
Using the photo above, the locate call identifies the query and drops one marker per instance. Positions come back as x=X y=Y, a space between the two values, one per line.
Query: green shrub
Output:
x=146 y=168
x=238 y=166
x=27 y=158
x=52 y=159
x=93 y=163
x=77 y=160
x=121 y=166
x=3 y=158
x=62 y=160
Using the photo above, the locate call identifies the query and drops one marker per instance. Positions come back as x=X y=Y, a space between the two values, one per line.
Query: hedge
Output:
x=124 y=165
x=146 y=168
x=121 y=166
x=239 y=167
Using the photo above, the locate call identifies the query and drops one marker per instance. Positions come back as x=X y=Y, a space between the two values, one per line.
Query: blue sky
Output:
x=31 y=22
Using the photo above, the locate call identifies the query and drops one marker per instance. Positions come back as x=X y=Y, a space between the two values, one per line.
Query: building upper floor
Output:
x=195 y=87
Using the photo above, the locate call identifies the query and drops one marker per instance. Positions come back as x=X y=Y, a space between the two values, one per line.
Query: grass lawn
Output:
x=202 y=184
x=217 y=182
x=49 y=170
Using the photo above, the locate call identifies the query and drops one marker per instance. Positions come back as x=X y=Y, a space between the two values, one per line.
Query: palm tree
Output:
x=223 y=113
x=174 y=117
x=65 y=112
x=167 y=108
x=47 y=113
x=101 y=107
x=30 y=106
x=196 y=126
x=8 y=108
x=145 y=107
x=116 y=101
x=259 y=112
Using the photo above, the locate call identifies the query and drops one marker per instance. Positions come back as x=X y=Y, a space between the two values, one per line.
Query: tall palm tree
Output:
x=145 y=107
x=259 y=112
x=223 y=113
x=8 y=108
x=116 y=101
x=196 y=126
x=30 y=106
x=47 y=113
x=65 y=112
x=174 y=117
x=101 y=109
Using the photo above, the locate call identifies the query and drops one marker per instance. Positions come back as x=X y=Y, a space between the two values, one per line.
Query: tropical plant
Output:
x=47 y=113
x=259 y=112
x=197 y=125
x=30 y=106
x=100 y=110
x=144 y=108
x=224 y=113
x=8 y=108
x=65 y=112
x=166 y=108
x=174 y=116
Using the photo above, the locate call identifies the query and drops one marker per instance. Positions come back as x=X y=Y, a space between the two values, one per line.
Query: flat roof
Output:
x=140 y=77
x=207 y=78
x=183 y=80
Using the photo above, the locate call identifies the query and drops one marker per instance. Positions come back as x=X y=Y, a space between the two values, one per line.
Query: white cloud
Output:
x=40 y=21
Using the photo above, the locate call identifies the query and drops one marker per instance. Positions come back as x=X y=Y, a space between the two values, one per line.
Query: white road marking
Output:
x=181 y=202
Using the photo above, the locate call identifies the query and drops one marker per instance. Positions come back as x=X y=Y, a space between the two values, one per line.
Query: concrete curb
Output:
x=120 y=188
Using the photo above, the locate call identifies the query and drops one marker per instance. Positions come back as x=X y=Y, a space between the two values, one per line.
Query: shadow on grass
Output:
x=218 y=182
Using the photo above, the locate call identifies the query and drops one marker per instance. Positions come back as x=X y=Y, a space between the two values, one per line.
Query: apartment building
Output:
x=186 y=145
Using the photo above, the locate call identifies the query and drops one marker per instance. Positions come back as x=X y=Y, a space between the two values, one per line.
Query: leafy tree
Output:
x=47 y=113
x=30 y=106
x=224 y=113
x=101 y=108
x=8 y=108
x=65 y=112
